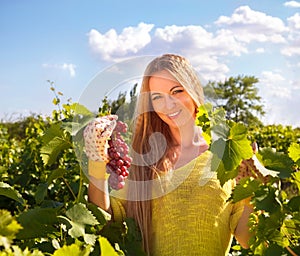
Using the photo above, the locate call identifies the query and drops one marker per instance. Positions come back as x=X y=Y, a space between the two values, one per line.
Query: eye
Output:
x=156 y=97
x=176 y=91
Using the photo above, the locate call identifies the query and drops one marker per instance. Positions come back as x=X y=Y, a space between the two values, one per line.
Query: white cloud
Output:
x=294 y=22
x=130 y=40
x=249 y=25
x=260 y=50
x=280 y=97
x=293 y=46
x=274 y=84
x=211 y=50
x=293 y=49
x=293 y=4
x=65 y=66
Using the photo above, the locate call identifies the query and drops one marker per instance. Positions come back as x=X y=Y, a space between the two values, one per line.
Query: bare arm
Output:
x=242 y=233
x=98 y=193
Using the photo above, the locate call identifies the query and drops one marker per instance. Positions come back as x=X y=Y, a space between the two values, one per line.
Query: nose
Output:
x=169 y=102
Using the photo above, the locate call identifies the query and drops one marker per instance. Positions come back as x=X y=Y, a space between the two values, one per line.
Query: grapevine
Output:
x=275 y=221
x=41 y=174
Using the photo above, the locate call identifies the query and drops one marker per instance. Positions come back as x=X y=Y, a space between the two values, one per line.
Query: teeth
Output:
x=173 y=114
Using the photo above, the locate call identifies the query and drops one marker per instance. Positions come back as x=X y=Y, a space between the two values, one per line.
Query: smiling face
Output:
x=171 y=101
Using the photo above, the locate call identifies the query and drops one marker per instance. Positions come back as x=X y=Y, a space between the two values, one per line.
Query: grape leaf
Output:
x=80 y=214
x=50 y=151
x=231 y=147
x=73 y=249
x=41 y=192
x=276 y=161
x=37 y=222
x=296 y=177
x=294 y=152
x=8 y=191
x=246 y=188
x=294 y=204
x=9 y=227
x=106 y=247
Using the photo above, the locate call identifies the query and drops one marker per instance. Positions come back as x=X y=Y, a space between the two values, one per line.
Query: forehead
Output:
x=162 y=81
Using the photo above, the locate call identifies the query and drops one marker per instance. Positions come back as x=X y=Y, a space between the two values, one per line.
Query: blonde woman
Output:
x=177 y=202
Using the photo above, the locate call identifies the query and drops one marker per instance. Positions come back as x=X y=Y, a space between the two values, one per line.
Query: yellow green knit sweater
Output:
x=194 y=218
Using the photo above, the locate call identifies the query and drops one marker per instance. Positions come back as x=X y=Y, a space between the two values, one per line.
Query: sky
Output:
x=74 y=43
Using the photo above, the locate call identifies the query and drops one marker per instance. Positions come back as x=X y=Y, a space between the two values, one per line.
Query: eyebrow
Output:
x=174 y=87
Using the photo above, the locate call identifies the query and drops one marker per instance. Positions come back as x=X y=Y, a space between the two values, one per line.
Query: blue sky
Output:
x=72 y=42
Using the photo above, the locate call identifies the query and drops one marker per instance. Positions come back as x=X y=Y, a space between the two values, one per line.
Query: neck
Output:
x=190 y=145
x=187 y=137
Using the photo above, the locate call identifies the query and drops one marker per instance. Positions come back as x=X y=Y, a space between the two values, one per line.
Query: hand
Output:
x=253 y=168
x=96 y=136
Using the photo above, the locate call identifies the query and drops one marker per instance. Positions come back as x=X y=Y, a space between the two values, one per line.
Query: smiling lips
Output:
x=174 y=114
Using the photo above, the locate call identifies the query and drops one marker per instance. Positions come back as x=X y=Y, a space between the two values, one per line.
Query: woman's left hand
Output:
x=253 y=168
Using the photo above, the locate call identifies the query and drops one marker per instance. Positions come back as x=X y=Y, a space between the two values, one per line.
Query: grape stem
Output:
x=291 y=251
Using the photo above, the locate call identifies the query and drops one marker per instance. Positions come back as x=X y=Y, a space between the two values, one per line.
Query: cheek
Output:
x=157 y=105
x=189 y=105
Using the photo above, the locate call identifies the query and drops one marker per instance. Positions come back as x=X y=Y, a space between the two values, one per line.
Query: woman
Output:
x=188 y=212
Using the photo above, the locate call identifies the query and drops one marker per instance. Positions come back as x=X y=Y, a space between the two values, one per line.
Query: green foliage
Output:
x=275 y=221
x=239 y=98
x=228 y=141
x=278 y=137
x=9 y=227
x=43 y=189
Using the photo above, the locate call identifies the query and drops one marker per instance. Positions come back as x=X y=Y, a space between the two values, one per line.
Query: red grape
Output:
x=119 y=161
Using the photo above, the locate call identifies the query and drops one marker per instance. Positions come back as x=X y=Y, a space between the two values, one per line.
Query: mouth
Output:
x=174 y=114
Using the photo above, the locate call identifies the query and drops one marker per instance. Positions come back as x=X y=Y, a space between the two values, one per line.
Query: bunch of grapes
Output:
x=119 y=161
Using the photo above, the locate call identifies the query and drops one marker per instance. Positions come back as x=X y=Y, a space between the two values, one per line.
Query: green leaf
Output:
x=106 y=248
x=10 y=192
x=276 y=161
x=73 y=249
x=50 y=151
x=278 y=238
x=41 y=192
x=53 y=131
x=294 y=204
x=220 y=130
x=9 y=227
x=37 y=222
x=102 y=216
x=80 y=109
x=296 y=177
x=55 y=174
x=294 y=152
x=246 y=188
x=89 y=238
x=17 y=251
x=77 y=230
x=80 y=214
x=231 y=148
x=222 y=174
x=54 y=142
x=56 y=101
x=266 y=199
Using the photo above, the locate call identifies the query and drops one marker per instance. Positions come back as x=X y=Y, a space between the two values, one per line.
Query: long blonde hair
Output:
x=146 y=123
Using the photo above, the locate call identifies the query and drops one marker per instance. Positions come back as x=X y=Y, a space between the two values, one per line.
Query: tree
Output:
x=239 y=97
x=124 y=105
